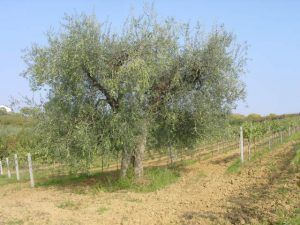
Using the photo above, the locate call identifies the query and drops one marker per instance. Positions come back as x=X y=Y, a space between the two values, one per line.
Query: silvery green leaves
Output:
x=157 y=80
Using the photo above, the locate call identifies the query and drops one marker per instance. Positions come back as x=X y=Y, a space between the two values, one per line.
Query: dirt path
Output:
x=205 y=194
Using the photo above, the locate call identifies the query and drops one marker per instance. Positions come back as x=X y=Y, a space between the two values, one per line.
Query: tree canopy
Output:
x=158 y=83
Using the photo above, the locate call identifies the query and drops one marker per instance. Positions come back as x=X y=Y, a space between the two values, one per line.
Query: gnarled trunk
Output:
x=135 y=158
x=138 y=157
x=171 y=156
x=125 y=163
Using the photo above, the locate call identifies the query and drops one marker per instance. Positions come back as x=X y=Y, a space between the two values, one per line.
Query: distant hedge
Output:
x=15 y=119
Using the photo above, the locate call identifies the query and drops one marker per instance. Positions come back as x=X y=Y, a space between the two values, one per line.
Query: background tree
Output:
x=254 y=117
x=156 y=83
x=236 y=118
x=3 y=112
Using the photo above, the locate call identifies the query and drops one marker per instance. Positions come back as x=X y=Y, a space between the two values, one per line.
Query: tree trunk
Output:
x=125 y=163
x=171 y=156
x=138 y=157
x=117 y=161
x=135 y=158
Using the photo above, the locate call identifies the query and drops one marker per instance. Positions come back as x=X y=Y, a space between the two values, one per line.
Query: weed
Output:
x=259 y=154
x=273 y=167
x=68 y=205
x=15 y=222
x=5 y=180
x=66 y=180
x=290 y=220
x=201 y=174
x=188 y=162
x=102 y=210
x=295 y=162
x=159 y=178
x=134 y=200
x=235 y=167
x=283 y=190
x=154 y=179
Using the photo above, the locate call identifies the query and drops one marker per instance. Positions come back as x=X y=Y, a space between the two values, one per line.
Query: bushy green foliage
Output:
x=236 y=119
x=159 y=80
x=2 y=112
x=16 y=134
x=254 y=117
x=15 y=119
x=239 y=119
x=254 y=130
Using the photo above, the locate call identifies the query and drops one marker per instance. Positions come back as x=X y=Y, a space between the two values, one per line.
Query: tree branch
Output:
x=110 y=100
x=162 y=88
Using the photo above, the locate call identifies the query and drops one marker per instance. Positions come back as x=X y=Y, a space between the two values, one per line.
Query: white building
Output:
x=7 y=109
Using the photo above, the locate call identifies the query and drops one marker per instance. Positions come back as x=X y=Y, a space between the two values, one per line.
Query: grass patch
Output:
x=273 y=167
x=5 y=180
x=42 y=177
x=68 y=205
x=15 y=222
x=296 y=159
x=102 y=210
x=235 y=167
x=159 y=178
x=68 y=179
x=283 y=190
x=187 y=162
x=293 y=137
x=293 y=219
x=259 y=154
x=201 y=174
x=154 y=179
x=264 y=150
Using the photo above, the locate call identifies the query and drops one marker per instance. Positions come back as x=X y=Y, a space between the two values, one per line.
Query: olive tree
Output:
x=158 y=82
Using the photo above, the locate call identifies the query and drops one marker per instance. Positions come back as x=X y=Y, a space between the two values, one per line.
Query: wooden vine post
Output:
x=30 y=170
x=8 y=170
x=17 y=167
x=242 y=144
x=1 y=169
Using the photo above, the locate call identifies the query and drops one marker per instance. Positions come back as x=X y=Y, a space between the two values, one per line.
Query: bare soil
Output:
x=205 y=194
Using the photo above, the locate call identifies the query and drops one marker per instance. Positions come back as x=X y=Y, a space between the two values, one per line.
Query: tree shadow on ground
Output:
x=155 y=177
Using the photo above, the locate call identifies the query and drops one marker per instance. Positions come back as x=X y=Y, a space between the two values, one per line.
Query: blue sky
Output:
x=270 y=27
